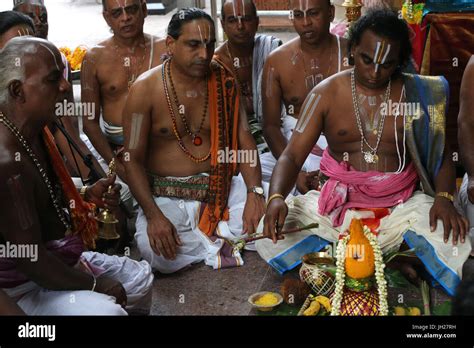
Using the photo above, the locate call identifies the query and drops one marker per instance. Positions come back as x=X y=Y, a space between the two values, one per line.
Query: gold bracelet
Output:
x=83 y=192
x=446 y=195
x=272 y=197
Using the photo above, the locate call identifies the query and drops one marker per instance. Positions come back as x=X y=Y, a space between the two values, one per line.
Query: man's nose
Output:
x=203 y=52
x=125 y=15
x=240 y=24
x=307 y=21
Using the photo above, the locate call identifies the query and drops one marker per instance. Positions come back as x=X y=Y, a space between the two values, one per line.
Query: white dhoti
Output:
x=136 y=278
x=407 y=222
x=465 y=207
x=268 y=161
x=125 y=194
x=197 y=246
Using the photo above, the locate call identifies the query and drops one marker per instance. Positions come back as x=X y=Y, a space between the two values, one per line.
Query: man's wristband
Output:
x=83 y=192
x=446 y=195
x=275 y=196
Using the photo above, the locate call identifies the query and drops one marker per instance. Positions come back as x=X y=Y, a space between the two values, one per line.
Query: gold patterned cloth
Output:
x=426 y=129
x=193 y=188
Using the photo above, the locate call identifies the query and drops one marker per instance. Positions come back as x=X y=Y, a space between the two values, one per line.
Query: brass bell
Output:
x=353 y=10
x=108 y=223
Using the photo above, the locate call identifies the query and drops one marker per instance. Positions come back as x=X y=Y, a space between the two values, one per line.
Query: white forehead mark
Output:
x=376 y=61
x=54 y=57
x=386 y=54
x=308 y=112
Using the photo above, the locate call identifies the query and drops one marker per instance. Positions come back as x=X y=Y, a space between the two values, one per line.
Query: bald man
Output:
x=42 y=211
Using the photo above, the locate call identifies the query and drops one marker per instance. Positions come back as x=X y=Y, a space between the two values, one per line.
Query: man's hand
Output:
x=111 y=287
x=253 y=212
x=275 y=219
x=443 y=209
x=307 y=181
x=98 y=194
x=164 y=239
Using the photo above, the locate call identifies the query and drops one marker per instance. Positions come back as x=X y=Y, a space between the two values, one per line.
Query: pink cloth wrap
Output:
x=68 y=249
x=349 y=188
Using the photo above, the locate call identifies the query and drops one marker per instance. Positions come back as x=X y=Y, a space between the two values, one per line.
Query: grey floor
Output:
x=200 y=290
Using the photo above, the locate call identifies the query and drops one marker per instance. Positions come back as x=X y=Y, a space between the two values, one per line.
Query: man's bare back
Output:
x=110 y=68
x=164 y=155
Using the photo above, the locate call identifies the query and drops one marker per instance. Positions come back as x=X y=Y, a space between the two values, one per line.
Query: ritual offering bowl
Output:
x=265 y=301
x=318 y=271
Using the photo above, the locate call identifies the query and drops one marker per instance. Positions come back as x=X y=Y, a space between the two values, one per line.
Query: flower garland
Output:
x=413 y=13
x=379 y=273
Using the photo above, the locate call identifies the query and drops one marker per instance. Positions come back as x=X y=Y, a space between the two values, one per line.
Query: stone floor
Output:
x=200 y=290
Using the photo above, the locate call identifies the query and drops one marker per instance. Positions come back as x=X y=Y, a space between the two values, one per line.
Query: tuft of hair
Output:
x=9 y=19
x=12 y=65
x=183 y=16
x=386 y=23
x=254 y=7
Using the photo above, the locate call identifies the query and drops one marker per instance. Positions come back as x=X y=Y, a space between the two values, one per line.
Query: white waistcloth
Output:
x=268 y=161
x=125 y=194
x=197 y=246
x=136 y=278
x=466 y=208
x=412 y=215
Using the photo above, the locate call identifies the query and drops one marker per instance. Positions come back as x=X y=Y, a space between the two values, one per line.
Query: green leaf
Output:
x=283 y=310
x=443 y=309
x=395 y=279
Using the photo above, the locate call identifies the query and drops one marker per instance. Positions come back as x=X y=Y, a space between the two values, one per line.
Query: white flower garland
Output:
x=379 y=273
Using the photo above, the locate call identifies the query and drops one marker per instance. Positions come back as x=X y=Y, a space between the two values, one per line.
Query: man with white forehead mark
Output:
x=244 y=54
x=62 y=278
x=108 y=72
x=195 y=205
x=37 y=11
x=290 y=73
x=401 y=177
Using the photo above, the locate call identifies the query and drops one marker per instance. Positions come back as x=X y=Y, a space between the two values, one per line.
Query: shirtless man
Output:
x=194 y=203
x=378 y=169
x=290 y=73
x=35 y=193
x=466 y=142
x=36 y=10
x=244 y=53
x=108 y=72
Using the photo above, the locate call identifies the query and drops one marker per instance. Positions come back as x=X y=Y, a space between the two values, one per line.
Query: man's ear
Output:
x=15 y=90
x=106 y=17
x=170 y=43
x=144 y=9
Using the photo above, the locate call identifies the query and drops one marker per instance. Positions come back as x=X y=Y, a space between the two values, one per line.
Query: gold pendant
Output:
x=371 y=158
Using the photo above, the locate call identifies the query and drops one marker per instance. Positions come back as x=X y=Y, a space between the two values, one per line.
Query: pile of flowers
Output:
x=75 y=57
x=412 y=11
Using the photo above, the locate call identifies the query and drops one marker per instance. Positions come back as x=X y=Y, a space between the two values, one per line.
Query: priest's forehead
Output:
x=201 y=30
x=239 y=8
x=305 y=5
x=114 y=4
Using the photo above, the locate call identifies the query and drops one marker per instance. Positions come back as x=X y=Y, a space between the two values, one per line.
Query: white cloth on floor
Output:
x=197 y=246
x=136 y=278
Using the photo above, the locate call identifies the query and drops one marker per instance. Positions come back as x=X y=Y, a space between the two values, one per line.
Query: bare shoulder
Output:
x=334 y=84
x=160 y=44
x=220 y=51
x=10 y=158
x=282 y=55
x=95 y=52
